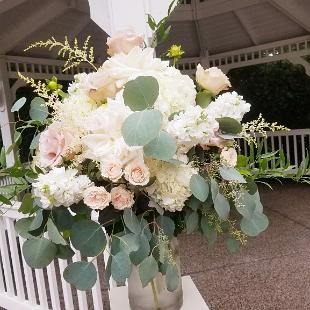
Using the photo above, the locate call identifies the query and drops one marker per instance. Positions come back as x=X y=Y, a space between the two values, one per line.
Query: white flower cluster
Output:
x=60 y=187
x=228 y=105
x=171 y=188
x=192 y=127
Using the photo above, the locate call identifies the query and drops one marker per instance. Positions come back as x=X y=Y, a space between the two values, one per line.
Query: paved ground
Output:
x=271 y=272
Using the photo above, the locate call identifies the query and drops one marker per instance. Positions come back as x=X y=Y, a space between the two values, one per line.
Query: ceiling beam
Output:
x=200 y=37
x=216 y=7
x=244 y=22
x=294 y=11
x=33 y=22
x=6 y=5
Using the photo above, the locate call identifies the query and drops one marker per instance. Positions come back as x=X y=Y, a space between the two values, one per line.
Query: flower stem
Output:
x=156 y=303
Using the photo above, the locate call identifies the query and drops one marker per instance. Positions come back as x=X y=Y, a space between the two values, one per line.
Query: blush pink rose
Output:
x=124 y=41
x=122 y=198
x=229 y=157
x=111 y=170
x=97 y=198
x=53 y=144
x=137 y=174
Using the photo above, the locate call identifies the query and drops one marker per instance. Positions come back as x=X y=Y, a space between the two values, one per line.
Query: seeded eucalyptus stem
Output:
x=156 y=303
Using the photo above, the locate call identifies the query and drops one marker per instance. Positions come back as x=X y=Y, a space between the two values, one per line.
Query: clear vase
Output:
x=155 y=296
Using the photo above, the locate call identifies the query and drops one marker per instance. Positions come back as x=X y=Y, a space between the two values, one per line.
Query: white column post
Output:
x=115 y=15
x=6 y=117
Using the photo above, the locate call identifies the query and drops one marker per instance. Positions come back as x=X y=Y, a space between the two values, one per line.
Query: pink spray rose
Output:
x=97 y=198
x=122 y=198
x=111 y=170
x=137 y=173
x=229 y=157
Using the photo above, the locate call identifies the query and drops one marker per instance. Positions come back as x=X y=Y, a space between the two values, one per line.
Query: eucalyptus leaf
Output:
x=18 y=104
x=192 y=222
x=144 y=250
x=83 y=275
x=221 y=206
x=38 y=109
x=172 y=277
x=203 y=99
x=254 y=225
x=37 y=221
x=231 y=174
x=141 y=93
x=129 y=243
x=163 y=147
x=148 y=270
x=214 y=188
x=121 y=267
x=64 y=251
x=39 y=253
x=208 y=230
x=233 y=245
x=131 y=221
x=88 y=237
x=229 y=125
x=22 y=227
x=167 y=224
x=199 y=187
x=54 y=233
x=193 y=203
x=140 y=128
x=35 y=142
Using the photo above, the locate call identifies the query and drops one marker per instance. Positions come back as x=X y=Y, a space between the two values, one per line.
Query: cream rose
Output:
x=97 y=198
x=111 y=170
x=101 y=86
x=212 y=79
x=137 y=173
x=122 y=198
x=229 y=157
x=54 y=142
x=215 y=141
x=124 y=41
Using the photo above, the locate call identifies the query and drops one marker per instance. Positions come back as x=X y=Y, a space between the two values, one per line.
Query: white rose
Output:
x=137 y=173
x=124 y=41
x=97 y=198
x=212 y=79
x=111 y=170
x=122 y=198
x=229 y=157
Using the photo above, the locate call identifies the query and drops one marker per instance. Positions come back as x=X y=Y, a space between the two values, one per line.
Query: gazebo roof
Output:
x=201 y=26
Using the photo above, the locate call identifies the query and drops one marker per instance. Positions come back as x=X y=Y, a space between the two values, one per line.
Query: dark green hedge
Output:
x=280 y=91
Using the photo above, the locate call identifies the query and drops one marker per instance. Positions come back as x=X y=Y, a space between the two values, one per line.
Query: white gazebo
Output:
x=225 y=33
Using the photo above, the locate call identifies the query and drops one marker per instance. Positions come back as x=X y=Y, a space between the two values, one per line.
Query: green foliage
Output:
x=141 y=93
x=203 y=98
x=88 y=237
x=199 y=187
x=138 y=256
x=54 y=234
x=167 y=225
x=221 y=206
x=229 y=125
x=38 y=109
x=163 y=147
x=27 y=204
x=254 y=225
x=18 y=104
x=141 y=128
x=82 y=275
x=131 y=221
x=148 y=269
x=231 y=174
x=172 y=278
x=208 y=230
x=39 y=253
x=121 y=266
x=192 y=220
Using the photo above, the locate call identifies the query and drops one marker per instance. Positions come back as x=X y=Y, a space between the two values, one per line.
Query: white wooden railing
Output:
x=275 y=51
x=24 y=288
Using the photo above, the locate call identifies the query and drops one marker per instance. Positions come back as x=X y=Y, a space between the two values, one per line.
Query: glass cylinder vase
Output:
x=155 y=296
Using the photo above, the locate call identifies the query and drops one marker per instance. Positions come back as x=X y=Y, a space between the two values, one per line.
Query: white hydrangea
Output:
x=228 y=105
x=74 y=110
x=176 y=92
x=104 y=141
x=191 y=127
x=60 y=187
x=171 y=188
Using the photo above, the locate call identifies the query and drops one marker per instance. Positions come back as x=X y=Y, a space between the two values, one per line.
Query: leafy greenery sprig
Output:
x=74 y=54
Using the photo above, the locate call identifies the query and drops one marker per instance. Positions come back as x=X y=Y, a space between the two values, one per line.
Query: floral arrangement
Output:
x=141 y=150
